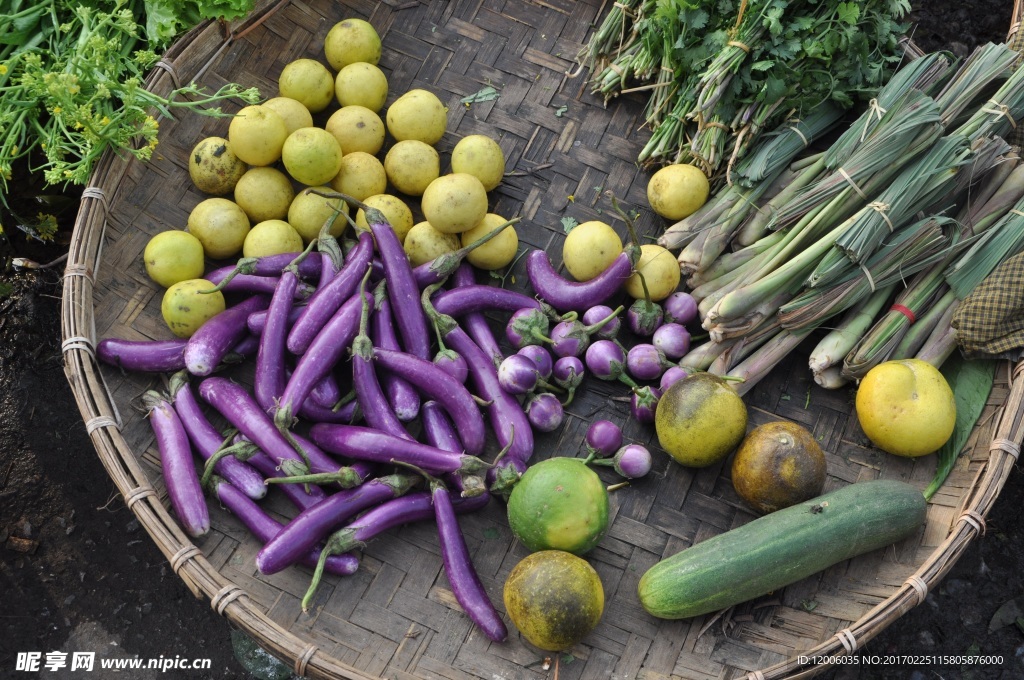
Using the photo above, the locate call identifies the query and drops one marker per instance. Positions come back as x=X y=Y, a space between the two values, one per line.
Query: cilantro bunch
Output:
x=72 y=81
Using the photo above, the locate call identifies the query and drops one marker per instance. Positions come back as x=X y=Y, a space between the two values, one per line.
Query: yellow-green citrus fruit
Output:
x=411 y=165
x=349 y=41
x=778 y=464
x=554 y=598
x=356 y=128
x=309 y=212
x=700 y=420
x=173 y=256
x=417 y=114
x=271 y=237
x=220 y=225
x=559 y=504
x=423 y=243
x=361 y=84
x=361 y=175
x=395 y=211
x=257 y=134
x=589 y=248
x=481 y=156
x=264 y=193
x=214 y=167
x=294 y=112
x=497 y=252
x=312 y=156
x=185 y=308
x=454 y=203
x=906 y=407
x=660 y=270
x=307 y=81
x=677 y=191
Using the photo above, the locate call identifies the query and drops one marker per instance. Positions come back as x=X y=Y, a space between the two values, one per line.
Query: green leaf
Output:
x=971 y=382
x=568 y=223
x=560 y=111
x=848 y=12
x=487 y=94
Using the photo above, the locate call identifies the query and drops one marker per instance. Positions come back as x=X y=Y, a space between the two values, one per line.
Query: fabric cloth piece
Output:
x=990 y=321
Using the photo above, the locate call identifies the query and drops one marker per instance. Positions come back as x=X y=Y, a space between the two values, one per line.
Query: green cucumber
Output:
x=780 y=548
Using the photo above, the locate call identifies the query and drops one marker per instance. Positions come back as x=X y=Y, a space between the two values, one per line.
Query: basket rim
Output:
x=103 y=424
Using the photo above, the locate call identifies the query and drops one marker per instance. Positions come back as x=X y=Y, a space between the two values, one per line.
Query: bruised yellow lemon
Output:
x=778 y=464
x=700 y=420
x=186 y=306
x=352 y=40
x=677 y=191
x=906 y=407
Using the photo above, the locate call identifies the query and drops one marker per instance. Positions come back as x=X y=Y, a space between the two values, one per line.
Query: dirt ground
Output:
x=78 y=574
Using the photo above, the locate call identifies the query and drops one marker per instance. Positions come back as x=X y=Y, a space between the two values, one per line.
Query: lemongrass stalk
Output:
x=942 y=341
x=919 y=332
x=703 y=355
x=744 y=347
x=737 y=328
x=838 y=342
x=683 y=232
x=757 y=226
x=745 y=375
x=993 y=246
x=989 y=205
x=831 y=378
x=984 y=65
x=779 y=147
x=729 y=262
x=1000 y=113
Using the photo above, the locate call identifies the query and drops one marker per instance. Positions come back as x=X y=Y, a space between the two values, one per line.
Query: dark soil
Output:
x=78 y=574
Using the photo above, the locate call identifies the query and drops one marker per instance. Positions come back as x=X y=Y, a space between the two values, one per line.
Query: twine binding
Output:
x=226 y=596
x=919 y=586
x=303 y=659
x=853 y=184
x=184 y=554
x=975 y=519
x=848 y=640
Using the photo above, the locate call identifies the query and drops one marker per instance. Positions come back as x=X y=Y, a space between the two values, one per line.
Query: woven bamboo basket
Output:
x=396 y=616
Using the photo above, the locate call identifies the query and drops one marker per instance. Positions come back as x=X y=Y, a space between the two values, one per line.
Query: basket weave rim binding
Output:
x=103 y=422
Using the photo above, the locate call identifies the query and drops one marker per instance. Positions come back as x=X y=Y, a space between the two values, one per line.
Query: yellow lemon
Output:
x=256 y=134
x=185 y=306
x=589 y=248
x=356 y=128
x=497 y=252
x=454 y=203
x=395 y=211
x=220 y=225
x=349 y=41
x=214 y=167
x=481 y=156
x=411 y=165
x=264 y=193
x=309 y=212
x=423 y=243
x=271 y=237
x=417 y=114
x=294 y=112
x=660 y=271
x=677 y=191
x=361 y=84
x=312 y=156
x=700 y=420
x=307 y=81
x=906 y=407
x=173 y=256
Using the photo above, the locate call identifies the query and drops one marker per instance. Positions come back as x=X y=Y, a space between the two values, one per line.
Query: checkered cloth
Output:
x=990 y=321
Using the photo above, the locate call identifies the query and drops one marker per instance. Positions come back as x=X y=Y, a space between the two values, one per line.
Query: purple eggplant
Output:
x=474 y=297
x=326 y=393
x=680 y=307
x=610 y=329
x=265 y=528
x=437 y=385
x=157 y=356
x=363 y=443
x=541 y=359
x=545 y=412
x=179 y=472
x=643 y=403
x=568 y=373
x=415 y=506
x=314 y=524
x=440 y=268
x=526 y=327
x=206 y=440
x=572 y=337
x=440 y=432
x=644 y=317
x=327 y=301
x=269 y=378
x=672 y=376
x=475 y=323
x=518 y=374
x=603 y=439
x=404 y=400
x=302 y=496
x=270 y=265
x=644 y=361
x=606 y=360
x=257 y=321
x=566 y=295
x=673 y=340
x=452 y=363
x=632 y=461
x=252 y=284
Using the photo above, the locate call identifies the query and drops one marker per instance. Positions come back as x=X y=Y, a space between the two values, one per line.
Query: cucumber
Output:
x=780 y=548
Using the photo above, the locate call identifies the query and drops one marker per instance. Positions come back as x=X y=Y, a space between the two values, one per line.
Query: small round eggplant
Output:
x=644 y=317
x=673 y=339
x=610 y=330
x=572 y=337
x=568 y=373
x=644 y=361
x=518 y=374
x=607 y=361
x=603 y=439
x=545 y=412
x=631 y=461
x=680 y=307
x=672 y=376
x=644 y=403
x=527 y=326
x=540 y=357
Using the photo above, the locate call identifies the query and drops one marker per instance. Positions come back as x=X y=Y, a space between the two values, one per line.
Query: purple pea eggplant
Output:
x=415 y=506
x=541 y=359
x=323 y=353
x=180 y=476
x=572 y=337
x=314 y=524
x=452 y=363
x=327 y=301
x=518 y=374
x=157 y=356
x=363 y=443
x=643 y=403
x=680 y=307
x=644 y=317
x=610 y=329
x=644 y=361
x=566 y=295
x=673 y=340
x=603 y=439
x=206 y=440
x=545 y=412
x=526 y=327
x=404 y=400
x=672 y=376
x=632 y=461
x=568 y=373
x=437 y=385
x=265 y=528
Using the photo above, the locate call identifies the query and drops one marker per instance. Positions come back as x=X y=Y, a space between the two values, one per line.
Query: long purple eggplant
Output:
x=206 y=440
x=439 y=431
x=415 y=506
x=270 y=265
x=475 y=323
x=269 y=377
x=404 y=400
x=363 y=443
x=312 y=525
x=302 y=496
x=443 y=266
x=565 y=295
x=179 y=471
x=258 y=320
x=438 y=385
x=473 y=297
x=208 y=346
x=265 y=528
x=323 y=353
x=403 y=291
x=325 y=303
x=156 y=356
x=252 y=284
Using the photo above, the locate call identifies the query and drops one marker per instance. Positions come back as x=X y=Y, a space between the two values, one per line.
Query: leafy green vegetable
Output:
x=971 y=381
x=568 y=224
x=486 y=94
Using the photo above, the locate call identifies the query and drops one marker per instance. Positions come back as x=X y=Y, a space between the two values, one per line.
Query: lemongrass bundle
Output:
x=837 y=343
